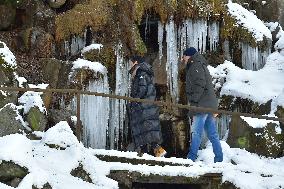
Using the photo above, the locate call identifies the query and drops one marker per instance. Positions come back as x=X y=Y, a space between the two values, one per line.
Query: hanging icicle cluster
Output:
x=117 y=127
x=95 y=114
x=94 y=110
x=200 y=34
x=252 y=57
x=74 y=45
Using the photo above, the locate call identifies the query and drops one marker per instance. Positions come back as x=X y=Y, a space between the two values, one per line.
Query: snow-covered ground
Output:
x=52 y=165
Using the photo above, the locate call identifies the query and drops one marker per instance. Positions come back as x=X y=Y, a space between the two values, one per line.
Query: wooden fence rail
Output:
x=159 y=103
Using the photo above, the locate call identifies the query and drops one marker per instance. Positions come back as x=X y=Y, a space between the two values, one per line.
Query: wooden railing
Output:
x=77 y=93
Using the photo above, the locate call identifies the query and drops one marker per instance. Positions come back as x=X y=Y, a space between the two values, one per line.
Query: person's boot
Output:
x=159 y=151
x=142 y=150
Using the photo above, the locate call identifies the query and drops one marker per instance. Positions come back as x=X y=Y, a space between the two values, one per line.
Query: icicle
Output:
x=252 y=57
x=189 y=34
x=222 y=124
x=160 y=39
x=196 y=34
x=75 y=45
x=182 y=38
x=172 y=60
x=118 y=111
x=227 y=51
x=213 y=35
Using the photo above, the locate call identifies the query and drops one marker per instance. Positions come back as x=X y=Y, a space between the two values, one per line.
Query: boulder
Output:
x=263 y=141
x=50 y=70
x=7 y=16
x=11 y=173
x=9 y=122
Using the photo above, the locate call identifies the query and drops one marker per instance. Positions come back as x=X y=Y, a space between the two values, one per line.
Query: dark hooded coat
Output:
x=144 y=118
x=199 y=87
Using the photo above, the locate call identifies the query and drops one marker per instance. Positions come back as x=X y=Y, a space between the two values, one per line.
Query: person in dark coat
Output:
x=200 y=93
x=144 y=118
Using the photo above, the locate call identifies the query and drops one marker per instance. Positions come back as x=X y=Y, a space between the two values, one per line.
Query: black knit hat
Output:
x=139 y=59
x=189 y=51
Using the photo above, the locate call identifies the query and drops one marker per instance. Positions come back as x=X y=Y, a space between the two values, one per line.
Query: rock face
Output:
x=7 y=16
x=8 y=122
x=244 y=105
x=263 y=141
x=38 y=42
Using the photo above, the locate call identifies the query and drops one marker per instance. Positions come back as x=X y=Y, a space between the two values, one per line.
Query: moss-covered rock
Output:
x=81 y=16
x=105 y=56
x=36 y=119
x=7 y=78
x=236 y=33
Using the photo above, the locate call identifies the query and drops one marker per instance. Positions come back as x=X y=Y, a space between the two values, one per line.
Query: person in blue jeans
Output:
x=200 y=93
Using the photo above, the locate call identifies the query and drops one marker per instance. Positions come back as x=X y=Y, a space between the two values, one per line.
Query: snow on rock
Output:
x=91 y=47
x=60 y=135
x=258 y=123
x=85 y=64
x=280 y=43
x=259 y=86
x=33 y=99
x=7 y=55
x=279 y=100
x=16 y=148
x=250 y=21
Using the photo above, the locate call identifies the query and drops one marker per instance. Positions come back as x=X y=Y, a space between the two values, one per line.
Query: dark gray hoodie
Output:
x=199 y=88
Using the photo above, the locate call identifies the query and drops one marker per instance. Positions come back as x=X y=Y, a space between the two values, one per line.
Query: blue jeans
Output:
x=206 y=121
